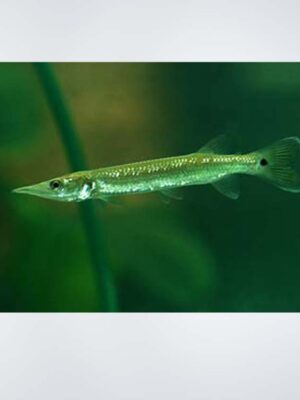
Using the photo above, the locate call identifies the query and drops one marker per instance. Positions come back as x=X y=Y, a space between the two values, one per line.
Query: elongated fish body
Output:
x=168 y=173
x=212 y=164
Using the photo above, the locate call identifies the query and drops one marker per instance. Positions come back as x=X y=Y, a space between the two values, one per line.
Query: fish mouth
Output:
x=40 y=190
x=32 y=190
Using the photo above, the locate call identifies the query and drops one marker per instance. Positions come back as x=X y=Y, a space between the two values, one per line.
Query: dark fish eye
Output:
x=55 y=185
x=263 y=162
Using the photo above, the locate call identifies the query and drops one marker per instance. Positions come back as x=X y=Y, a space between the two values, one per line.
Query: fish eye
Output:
x=55 y=185
x=263 y=162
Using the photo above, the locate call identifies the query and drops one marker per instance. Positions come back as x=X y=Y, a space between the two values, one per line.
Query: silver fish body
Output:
x=211 y=164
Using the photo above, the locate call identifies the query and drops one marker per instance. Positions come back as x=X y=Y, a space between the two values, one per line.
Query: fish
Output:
x=214 y=164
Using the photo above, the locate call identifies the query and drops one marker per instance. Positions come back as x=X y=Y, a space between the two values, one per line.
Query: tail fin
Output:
x=278 y=163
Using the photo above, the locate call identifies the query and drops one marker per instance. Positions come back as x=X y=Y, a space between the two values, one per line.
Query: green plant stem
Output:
x=73 y=148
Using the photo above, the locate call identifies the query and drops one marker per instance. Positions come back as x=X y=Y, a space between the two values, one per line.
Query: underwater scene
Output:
x=149 y=187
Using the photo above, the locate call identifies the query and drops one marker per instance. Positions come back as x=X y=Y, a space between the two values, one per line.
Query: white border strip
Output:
x=156 y=30
x=147 y=356
x=241 y=356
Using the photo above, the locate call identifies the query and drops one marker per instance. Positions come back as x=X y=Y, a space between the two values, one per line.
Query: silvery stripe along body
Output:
x=213 y=164
x=168 y=173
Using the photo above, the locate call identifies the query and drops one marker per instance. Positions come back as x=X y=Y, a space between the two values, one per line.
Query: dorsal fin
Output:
x=223 y=144
x=229 y=186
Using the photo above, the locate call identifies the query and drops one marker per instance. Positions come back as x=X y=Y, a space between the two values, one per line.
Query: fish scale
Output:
x=157 y=175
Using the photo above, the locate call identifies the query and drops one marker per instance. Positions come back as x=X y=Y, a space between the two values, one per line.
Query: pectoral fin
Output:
x=115 y=200
x=229 y=186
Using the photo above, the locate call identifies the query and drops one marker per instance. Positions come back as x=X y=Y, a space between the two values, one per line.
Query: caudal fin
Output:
x=278 y=164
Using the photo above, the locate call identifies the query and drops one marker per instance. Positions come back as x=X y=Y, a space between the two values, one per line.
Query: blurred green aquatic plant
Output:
x=73 y=148
x=57 y=269
x=162 y=267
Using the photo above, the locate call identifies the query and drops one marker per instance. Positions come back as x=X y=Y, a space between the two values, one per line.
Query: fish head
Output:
x=72 y=187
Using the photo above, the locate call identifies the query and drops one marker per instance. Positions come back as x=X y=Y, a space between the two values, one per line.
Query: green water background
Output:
x=205 y=253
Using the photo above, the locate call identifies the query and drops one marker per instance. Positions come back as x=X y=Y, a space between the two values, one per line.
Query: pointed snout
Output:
x=33 y=190
x=24 y=189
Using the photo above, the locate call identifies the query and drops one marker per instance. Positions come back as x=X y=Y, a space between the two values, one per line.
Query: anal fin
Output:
x=170 y=194
x=228 y=186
